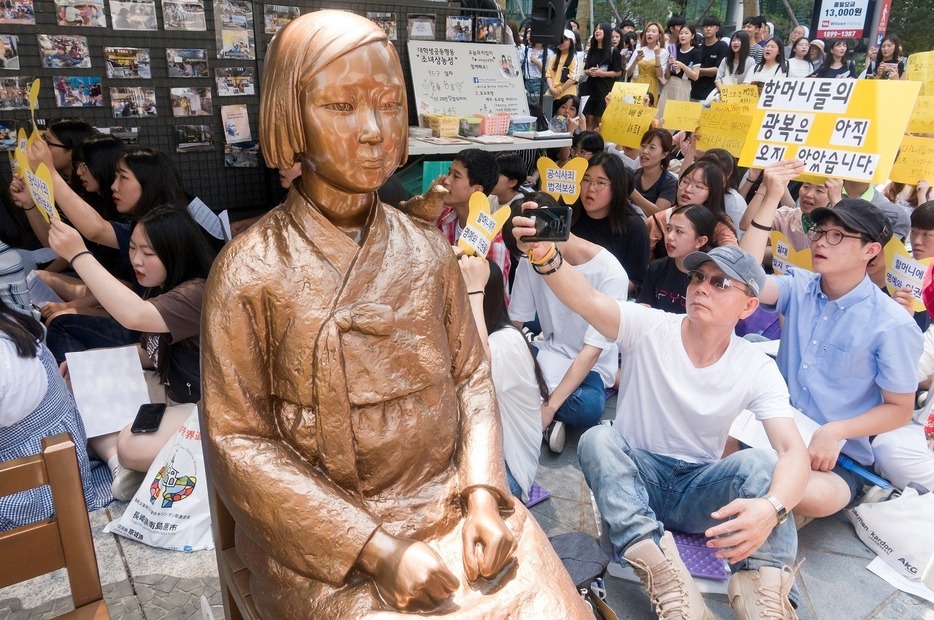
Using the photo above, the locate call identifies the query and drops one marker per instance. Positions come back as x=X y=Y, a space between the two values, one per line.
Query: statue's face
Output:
x=354 y=119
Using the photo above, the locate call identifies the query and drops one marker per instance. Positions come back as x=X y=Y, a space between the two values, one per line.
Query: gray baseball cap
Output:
x=737 y=264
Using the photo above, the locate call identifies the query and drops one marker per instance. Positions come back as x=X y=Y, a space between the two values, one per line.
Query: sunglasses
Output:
x=721 y=283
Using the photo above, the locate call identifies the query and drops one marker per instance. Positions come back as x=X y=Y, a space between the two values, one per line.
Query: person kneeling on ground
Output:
x=684 y=380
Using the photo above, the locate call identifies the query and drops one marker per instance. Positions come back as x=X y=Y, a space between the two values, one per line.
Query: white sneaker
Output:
x=555 y=436
x=125 y=483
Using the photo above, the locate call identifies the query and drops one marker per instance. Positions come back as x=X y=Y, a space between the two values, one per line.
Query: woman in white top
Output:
x=530 y=59
x=738 y=65
x=517 y=378
x=798 y=64
x=773 y=63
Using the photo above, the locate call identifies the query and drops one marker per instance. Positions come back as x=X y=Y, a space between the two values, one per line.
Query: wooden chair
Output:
x=64 y=541
x=234 y=575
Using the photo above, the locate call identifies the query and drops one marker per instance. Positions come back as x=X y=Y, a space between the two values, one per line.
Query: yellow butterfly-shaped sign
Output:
x=40 y=187
x=901 y=269
x=33 y=101
x=482 y=226
x=785 y=256
x=562 y=182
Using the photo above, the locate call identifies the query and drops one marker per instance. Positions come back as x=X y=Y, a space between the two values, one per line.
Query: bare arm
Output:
x=648 y=207
x=571 y=288
x=124 y=305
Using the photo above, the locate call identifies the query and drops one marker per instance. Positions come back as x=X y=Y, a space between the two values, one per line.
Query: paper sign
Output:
x=922 y=116
x=915 y=161
x=732 y=108
x=628 y=92
x=901 y=269
x=785 y=256
x=39 y=184
x=482 y=226
x=682 y=115
x=562 y=182
x=33 y=101
x=848 y=129
x=722 y=130
x=739 y=93
x=920 y=67
x=109 y=387
x=625 y=124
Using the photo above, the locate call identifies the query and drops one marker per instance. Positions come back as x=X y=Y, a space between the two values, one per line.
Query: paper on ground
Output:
x=40 y=293
x=109 y=387
x=891 y=576
x=225 y=223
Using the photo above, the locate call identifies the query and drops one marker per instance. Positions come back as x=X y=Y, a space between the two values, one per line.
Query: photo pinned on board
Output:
x=83 y=13
x=9 y=51
x=63 y=51
x=234 y=81
x=133 y=15
x=128 y=62
x=133 y=102
x=72 y=91
x=187 y=15
x=187 y=63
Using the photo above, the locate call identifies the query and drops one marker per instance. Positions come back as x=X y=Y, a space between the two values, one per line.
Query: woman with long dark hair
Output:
x=562 y=73
x=701 y=183
x=34 y=404
x=602 y=65
x=887 y=65
x=683 y=69
x=171 y=260
x=520 y=386
x=604 y=215
x=798 y=63
x=738 y=65
x=836 y=64
x=772 y=64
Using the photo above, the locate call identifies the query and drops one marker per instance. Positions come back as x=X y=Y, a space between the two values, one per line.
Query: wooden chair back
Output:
x=63 y=541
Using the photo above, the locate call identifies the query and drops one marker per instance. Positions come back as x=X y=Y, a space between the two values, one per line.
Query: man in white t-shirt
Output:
x=684 y=380
x=577 y=362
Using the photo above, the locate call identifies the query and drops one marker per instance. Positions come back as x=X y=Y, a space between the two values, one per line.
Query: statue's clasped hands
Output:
x=410 y=576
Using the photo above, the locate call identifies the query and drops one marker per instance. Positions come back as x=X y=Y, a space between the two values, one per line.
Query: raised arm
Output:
x=128 y=308
x=85 y=218
x=570 y=287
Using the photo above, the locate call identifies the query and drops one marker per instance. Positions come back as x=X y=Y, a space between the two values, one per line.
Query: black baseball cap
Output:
x=858 y=215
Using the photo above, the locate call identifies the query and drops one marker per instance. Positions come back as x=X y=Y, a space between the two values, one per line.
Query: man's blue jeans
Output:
x=585 y=406
x=638 y=491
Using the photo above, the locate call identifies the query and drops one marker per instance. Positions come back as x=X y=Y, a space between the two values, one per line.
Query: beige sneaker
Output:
x=663 y=575
x=763 y=593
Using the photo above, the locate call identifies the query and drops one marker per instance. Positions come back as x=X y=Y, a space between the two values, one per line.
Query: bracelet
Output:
x=475 y=292
x=549 y=255
x=555 y=262
x=756 y=224
x=82 y=252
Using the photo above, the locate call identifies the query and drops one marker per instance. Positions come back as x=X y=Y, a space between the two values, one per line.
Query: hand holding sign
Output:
x=65 y=240
x=482 y=226
x=903 y=271
x=40 y=187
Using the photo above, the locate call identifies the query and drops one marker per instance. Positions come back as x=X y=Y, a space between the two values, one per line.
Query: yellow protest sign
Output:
x=482 y=226
x=625 y=124
x=915 y=161
x=740 y=93
x=39 y=184
x=922 y=116
x=628 y=92
x=682 y=115
x=848 y=129
x=733 y=108
x=920 y=67
x=722 y=130
x=785 y=256
x=33 y=101
x=901 y=269
x=562 y=181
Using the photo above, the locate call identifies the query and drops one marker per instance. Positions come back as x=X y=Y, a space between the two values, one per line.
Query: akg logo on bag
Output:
x=173 y=484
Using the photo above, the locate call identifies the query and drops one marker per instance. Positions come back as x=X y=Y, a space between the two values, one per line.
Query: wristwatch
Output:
x=780 y=510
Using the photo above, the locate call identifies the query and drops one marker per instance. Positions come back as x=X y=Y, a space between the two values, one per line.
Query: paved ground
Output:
x=141 y=583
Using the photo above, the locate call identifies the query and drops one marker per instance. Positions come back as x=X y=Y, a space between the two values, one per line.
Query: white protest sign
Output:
x=109 y=387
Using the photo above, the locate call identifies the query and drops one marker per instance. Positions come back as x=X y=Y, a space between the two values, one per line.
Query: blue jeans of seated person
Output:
x=637 y=491
x=514 y=487
x=585 y=406
x=79 y=332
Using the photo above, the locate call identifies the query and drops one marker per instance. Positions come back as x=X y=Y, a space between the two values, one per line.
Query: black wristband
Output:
x=756 y=224
x=81 y=253
x=475 y=292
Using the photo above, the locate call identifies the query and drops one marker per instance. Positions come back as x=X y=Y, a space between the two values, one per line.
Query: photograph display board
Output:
x=463 y=79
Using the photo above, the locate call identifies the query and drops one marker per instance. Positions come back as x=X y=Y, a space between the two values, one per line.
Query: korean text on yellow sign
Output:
x=625 y=123
x=915 y=161
x=722 y=130
x=628 y=92
x=740 y=93
x=902 y=270
x=682 y=115
x=922 y=116
x=785 y=256
x=848 y=129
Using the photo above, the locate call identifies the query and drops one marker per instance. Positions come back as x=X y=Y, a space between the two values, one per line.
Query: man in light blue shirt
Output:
x=848 y=352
